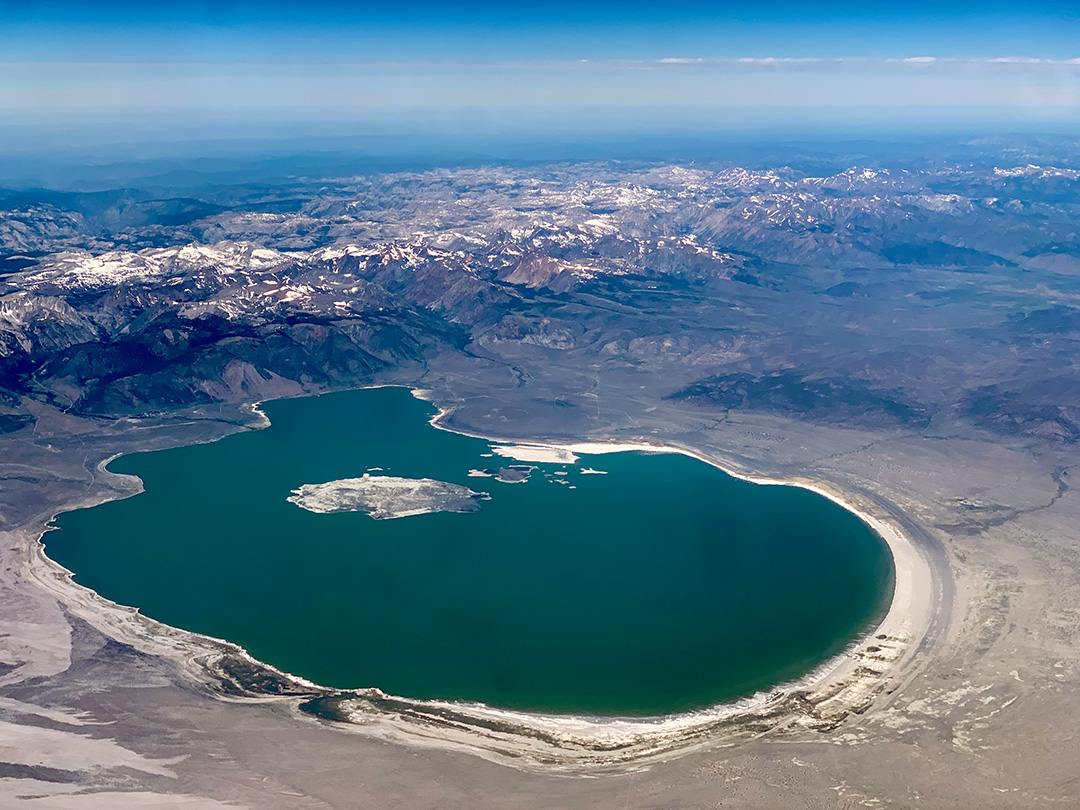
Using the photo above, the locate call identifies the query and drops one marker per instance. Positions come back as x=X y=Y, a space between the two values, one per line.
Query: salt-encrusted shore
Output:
x=536 y=453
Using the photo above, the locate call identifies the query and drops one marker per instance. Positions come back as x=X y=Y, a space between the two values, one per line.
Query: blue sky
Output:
x=315 y=31
x=539 y=65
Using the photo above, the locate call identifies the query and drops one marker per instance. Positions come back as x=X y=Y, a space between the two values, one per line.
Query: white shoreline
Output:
x=567 y=741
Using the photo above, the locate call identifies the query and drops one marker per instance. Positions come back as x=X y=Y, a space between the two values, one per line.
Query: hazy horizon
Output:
x=473 y=74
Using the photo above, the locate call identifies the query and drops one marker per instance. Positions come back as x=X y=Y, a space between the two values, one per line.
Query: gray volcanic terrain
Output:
x=896 y=328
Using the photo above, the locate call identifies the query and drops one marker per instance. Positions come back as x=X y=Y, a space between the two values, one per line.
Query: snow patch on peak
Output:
x=80 y=269
x=1040 y=172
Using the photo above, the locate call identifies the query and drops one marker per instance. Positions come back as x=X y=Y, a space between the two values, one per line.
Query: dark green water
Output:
x=662 y=586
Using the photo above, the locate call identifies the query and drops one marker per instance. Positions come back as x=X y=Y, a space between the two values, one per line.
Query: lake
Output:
x=659 y=586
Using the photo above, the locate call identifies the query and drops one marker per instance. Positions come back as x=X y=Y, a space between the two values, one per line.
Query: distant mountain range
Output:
x=914 y=298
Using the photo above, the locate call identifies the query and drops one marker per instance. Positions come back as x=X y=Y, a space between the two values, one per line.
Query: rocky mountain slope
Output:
x=913 y=297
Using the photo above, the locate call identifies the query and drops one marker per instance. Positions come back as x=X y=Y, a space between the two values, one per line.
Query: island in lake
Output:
x=385 y=496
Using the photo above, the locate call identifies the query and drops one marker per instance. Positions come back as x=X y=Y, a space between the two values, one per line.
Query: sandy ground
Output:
x=970 y=700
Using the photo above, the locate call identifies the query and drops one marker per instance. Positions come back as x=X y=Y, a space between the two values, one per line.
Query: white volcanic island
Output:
x=385 y=496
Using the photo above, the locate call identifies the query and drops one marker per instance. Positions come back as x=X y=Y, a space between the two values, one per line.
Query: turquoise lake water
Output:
x=662 y=586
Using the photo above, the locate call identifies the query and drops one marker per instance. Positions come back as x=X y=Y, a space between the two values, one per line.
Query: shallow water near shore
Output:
x=661 y=586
